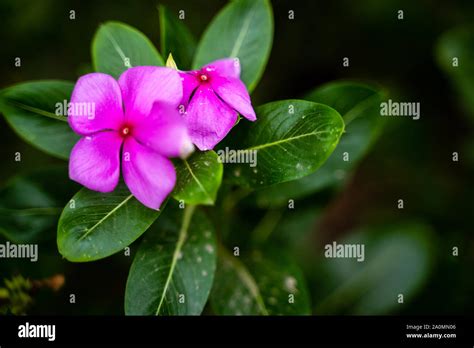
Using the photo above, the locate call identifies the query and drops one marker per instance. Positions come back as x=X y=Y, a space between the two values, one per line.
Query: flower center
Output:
x=125 y=131
x=203 y=77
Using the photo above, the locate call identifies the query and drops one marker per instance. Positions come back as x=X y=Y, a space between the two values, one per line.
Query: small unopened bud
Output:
x=170 y=63
x=186 y=149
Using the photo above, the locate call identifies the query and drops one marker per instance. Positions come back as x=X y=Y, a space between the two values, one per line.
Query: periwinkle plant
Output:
x=146 y=113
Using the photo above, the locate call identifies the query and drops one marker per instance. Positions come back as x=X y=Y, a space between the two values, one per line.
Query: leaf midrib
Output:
x=115 y=45
x=243 y=32
x=278 y=142
x=37 y=110
x=183 y=232
x=104 y=218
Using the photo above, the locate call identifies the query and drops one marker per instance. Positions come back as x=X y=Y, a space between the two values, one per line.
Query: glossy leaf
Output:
x=176 y=38
x=397 y=260
x=198 y=178
x=117 y=46
x=244 y=30
x=359 y=105
x=266 y=284
x=31 y=110
x=291 y=139
x=173 y=270
x=455 y=55
x=30 y=204
x=95 y=225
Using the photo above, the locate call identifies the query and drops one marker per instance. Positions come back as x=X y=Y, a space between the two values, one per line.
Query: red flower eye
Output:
x=125 y=131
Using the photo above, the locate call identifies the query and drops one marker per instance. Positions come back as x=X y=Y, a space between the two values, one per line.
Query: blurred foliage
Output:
x=30 y=204
x=455 y=55
x=398 y=261
x=16 y=295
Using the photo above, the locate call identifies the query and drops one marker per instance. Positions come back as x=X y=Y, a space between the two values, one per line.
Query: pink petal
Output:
x=235 y=94
x=95 y=161
x=164 y=131
x=208 y=119
x=190 y=83
x=143 y=85
x=96 y=104
x=228 y=67
x=149 y=176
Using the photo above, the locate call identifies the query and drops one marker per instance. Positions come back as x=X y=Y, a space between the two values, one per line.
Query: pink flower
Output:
x=213 y=97
x=135 y=118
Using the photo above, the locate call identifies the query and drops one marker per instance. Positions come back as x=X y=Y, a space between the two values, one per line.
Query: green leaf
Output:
x=198 y=178
x=272 y=284
x=397 y=260
x=117 y=46
x=243 y=29
x=30 y=204
x=30 y=109
x=455 y=55
x=176 y=38
x=291 y=139
x=359 y=105
x=174 y=268
x=95 y=225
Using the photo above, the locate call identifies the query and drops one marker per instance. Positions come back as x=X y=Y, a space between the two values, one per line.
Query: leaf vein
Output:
x=88 y=231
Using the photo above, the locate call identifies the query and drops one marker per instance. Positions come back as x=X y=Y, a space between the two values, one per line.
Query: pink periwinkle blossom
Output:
x=136 y=127
x=213 y=97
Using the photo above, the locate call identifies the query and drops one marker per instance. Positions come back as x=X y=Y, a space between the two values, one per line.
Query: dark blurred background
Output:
x=411 y=160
